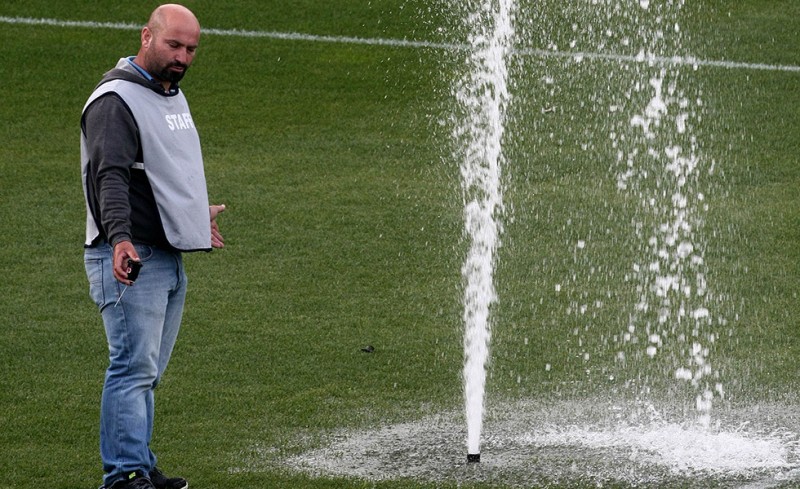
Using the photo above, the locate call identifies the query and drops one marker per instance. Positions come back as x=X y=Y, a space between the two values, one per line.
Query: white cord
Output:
x=120 y=296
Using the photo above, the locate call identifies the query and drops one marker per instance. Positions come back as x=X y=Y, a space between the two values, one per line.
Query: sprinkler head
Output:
x=473 y=458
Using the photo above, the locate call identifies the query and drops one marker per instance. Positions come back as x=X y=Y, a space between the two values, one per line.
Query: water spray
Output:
x=483 y=96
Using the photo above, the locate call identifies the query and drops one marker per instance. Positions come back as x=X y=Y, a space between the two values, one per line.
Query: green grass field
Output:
x=344 y=230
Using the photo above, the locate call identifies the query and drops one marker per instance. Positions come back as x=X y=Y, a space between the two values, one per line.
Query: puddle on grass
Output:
x=564 y=444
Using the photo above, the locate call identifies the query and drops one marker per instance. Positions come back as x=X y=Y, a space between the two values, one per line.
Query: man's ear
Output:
x=147 y=37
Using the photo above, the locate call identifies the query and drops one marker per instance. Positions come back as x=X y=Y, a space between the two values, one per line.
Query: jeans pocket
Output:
x=94 y=272
x=145 y=252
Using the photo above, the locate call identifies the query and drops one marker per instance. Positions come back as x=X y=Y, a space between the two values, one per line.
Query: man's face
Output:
x=170 y=50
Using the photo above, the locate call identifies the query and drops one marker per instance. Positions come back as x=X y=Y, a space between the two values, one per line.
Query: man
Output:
x=146 y=203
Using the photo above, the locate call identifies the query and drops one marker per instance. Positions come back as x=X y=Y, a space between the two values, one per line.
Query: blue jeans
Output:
x=141 y=331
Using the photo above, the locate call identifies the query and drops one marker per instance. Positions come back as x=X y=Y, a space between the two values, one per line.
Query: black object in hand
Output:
x=133 y=269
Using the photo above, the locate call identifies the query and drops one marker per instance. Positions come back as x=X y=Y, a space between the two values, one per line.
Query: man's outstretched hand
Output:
x=216 y=237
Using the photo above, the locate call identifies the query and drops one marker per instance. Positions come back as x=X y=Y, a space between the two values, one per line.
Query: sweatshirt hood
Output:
x=125 y=70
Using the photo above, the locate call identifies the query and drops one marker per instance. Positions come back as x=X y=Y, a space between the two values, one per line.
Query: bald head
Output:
x=169 y=41
x=171 y=15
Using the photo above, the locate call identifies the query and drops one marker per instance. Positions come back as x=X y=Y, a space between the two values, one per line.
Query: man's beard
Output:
x=165 y=74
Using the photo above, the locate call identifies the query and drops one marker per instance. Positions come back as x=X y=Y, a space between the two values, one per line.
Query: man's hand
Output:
x=216 y=237
x=122 y=251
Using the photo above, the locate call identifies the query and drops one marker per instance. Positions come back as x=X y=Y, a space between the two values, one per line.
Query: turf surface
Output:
x=343 y=229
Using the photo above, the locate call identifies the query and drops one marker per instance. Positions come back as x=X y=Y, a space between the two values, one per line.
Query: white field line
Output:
x=403 y=43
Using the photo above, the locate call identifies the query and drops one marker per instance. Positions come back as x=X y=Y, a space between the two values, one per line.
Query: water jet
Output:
x=483 y=95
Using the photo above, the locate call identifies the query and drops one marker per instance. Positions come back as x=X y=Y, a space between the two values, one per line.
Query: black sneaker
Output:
x=160 y=481
x=134 y=480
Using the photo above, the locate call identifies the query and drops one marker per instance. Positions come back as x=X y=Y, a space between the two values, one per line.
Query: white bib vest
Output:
x=173 y=163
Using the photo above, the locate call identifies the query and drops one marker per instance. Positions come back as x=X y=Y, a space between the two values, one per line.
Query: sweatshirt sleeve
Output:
x=112 y=140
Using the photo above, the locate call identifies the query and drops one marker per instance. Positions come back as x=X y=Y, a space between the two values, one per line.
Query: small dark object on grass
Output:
x=368 y=349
